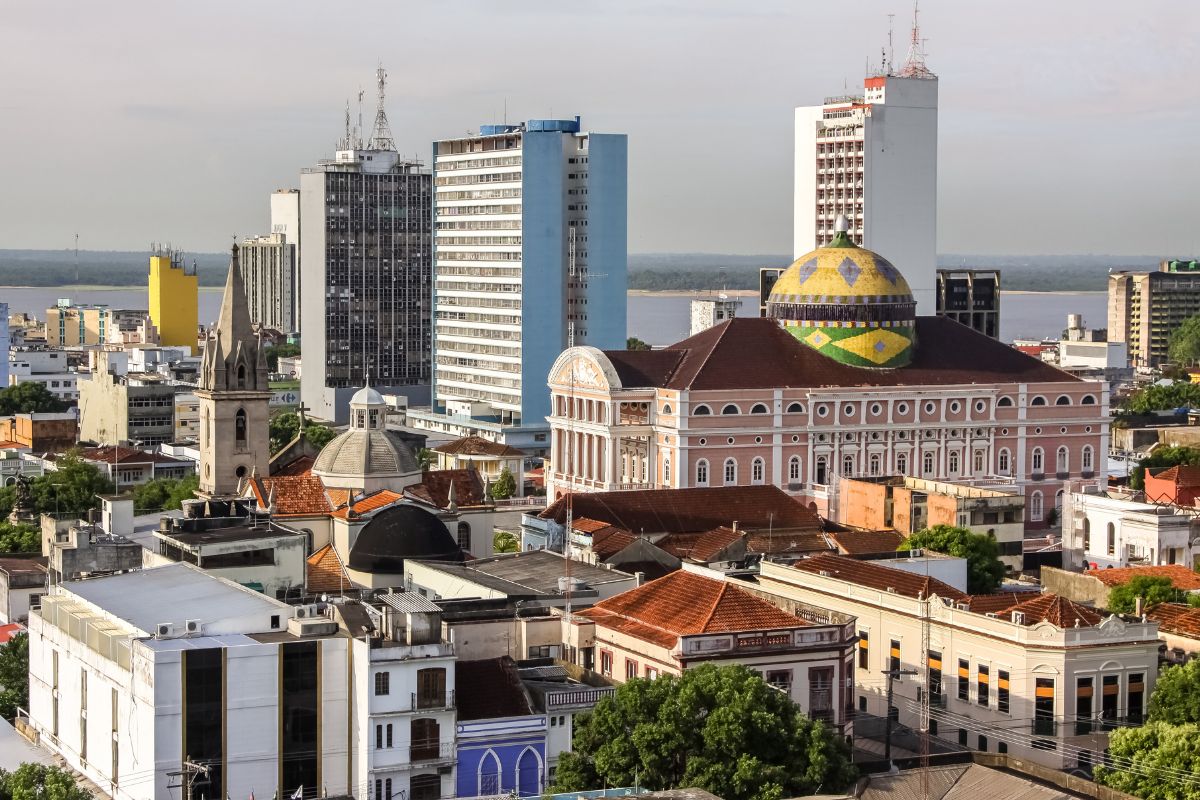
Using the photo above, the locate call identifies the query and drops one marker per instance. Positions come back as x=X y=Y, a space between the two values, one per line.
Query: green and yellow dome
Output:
x=847 y=303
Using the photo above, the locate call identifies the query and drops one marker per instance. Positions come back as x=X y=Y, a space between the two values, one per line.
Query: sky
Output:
x=1065 y=126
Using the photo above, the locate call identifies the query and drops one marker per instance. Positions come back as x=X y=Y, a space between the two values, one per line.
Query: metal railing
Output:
x=427 y=702
x=430 y=751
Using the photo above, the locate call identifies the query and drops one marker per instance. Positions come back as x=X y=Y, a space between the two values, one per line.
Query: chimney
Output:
x=1137 y=607
x=639 y=578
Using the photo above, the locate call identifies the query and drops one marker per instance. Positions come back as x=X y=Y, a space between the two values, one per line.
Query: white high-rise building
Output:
x=285 y=219
x=5 y=343
x=874 y=158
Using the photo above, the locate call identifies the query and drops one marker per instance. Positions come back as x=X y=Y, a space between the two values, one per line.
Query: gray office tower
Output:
x=366 y=288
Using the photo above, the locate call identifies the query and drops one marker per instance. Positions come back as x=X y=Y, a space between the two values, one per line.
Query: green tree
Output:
x=14 y=676
x=19 y=538
x=164 y=494
x=505 y=485
x=984 y=568
x=634 y=343
x=28 y=398
x=1146 y=761
x=283 y=350
x=40 y=782
x=721 y=729
x=1163 y=457
x=505 y=542
x=1123 y=599
x=69 y=489
x=1184 y=345
x=426 y=457
x=1180 y=394
x=1176 y=698
x=283 y=428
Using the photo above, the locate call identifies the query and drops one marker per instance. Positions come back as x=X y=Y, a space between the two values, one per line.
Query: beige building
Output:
x=1144 y=307
x=116 y=407
x=74 y=324
x=1032 y=675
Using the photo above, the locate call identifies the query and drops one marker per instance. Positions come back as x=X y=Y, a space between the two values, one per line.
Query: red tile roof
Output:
x=295 y=495
x=756 y=353
x=478 y=446
x=585 y=525
x=682 y=604
x=609 y=541
x=995 y=603
x=10 y=630
x=1182 y=475
x=1180 y=576
x=711 y=543
x=1056 y=610
x=689 y=510
x=301 y=466
x=434 y=488
x=372 y=502
x=877 y=576
x=855 y=543
x=787 y=542
x=325 y=572
x=1176 y=618
x=112 y=454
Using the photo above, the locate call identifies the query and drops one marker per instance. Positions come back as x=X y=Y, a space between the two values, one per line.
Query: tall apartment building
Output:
x=285 y=219
x=531 y=227
x=1145 y=307
x=268 y=265
x=174 y=299
x=873 y=158
x=368 y=263
x=118 y=407
x=5 y=343
x=972 y=297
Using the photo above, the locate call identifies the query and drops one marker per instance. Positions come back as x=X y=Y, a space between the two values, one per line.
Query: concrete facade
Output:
x=268 y=265
x=1112 y=531
x=116 y=407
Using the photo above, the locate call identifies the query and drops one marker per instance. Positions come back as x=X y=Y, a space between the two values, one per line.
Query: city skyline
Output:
x=182 y=124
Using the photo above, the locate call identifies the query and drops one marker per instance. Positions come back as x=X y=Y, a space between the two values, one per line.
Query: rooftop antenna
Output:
x=381 y=138
x=360 y=127
x=347 y=143
x=77 y=258
x=914 y=63
x=891 y=53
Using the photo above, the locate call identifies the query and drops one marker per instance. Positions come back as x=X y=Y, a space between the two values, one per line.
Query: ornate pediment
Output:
x=580 y=371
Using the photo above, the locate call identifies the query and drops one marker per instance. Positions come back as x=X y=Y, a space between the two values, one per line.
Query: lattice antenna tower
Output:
x=381 y=137
x=914 y=63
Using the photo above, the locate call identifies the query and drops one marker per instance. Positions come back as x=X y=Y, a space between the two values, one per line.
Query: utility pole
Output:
x=892 y=675
x=188 y=772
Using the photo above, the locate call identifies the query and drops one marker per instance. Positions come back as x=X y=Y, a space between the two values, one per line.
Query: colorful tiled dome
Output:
x=847 y=303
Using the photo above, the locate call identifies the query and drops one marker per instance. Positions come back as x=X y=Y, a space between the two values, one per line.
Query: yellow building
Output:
x=72 y=325
x=174 y=292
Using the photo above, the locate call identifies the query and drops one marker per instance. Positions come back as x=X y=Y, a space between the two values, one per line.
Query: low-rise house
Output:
x=684 y=620
x=1179 y=630
x=486 y=457
x=1178 y=485
x=1052 y=674
x=561 y=698
x=501 y=738
x=1106 y=531
x=23 y=579
x=127 y=467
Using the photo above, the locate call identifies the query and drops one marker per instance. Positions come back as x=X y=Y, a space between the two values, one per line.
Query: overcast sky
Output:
x=1065 y=127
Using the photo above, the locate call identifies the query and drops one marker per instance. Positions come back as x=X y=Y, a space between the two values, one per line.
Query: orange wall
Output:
x=902 y=509
x=864 y=504
x=943 y=510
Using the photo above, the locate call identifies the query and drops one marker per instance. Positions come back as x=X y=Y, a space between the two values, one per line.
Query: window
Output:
x=431 y=687
x=1062 y=460
x=977 y=462
x=964 y=680
x=902 y=463
x=757 y=468
x=731 y=409
x=239 y=427
x=1135 y=695
x=702 y=472
x=425 y=736
x=1058 y=502
x=1088 y=400
x=876 y=463
x=981 y=683
x=894 y=657
x=701 y=411
x=666 y=409
x=1062 y=400
x=794 y=469
x=378 y=737
x=1085 y=458
x=1002 y=691
x=847 y=465
x=1112 y=539
x=651 y=673
x=822 y=471
x=983 y=743
x=1035 y=506
x=1043 y=707
x=795 y=408
x=666 y=469
x=389 y=734
x=274 y=621
x=241 y=376
x=759 y=408
x=383 y=684
x=1037 y=459
x=464 y=535
x=934 y=676
x=962 y=736
x=1087 y=534
x=606 y=663
x=1001 y=747
x=820 y=692
x=927 y=463
x=631 y=669
x=781 y=679
x=730 y=472
x=1038 y=401
x=1002 y=461
x=953 y=462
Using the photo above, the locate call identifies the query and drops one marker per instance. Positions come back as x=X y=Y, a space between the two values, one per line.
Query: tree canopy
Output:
x=634 y=343
x=19 y=538
x=505 y=485
x=164 y=494
x=721 y=729
x=14 y=676
x=985 y=570
x=70 y=489
x=505 y=542
x=284 y=427
x=29 y=398
x=1147 y=761
x=1176 y=698
x=1180 y=394
x=1163 y=457
x=1184 y=345
x=40 y=782
x=1123 y=599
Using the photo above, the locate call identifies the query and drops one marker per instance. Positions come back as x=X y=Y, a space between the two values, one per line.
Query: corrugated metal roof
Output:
x=409 y=603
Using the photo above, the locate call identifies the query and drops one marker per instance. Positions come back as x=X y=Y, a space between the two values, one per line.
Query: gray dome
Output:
x=367 y=396
x=368 y=453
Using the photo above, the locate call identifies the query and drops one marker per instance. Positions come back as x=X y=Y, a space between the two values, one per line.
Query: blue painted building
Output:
x=501 y=739
x=531 y=256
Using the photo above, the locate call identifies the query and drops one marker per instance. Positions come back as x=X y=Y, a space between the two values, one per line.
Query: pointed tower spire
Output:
x=234 y=322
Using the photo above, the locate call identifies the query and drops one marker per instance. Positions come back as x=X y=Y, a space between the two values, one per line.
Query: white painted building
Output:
x=269 y=273
x=708 y=312
x=1116 y=532
x=129 y=673
x=873 y=157
x=285 y=220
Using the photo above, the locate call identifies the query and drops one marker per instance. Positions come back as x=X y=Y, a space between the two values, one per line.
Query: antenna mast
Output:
x=891 y=53
x=77 y=258
x=381 y=138
x=914 y=63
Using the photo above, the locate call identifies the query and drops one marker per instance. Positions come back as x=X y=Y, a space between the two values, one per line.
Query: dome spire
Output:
x=841 y=233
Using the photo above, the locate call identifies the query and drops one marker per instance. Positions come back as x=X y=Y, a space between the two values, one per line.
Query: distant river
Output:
x=655 y=318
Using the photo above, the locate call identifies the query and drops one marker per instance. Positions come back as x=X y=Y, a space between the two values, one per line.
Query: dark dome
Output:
x=399 y=533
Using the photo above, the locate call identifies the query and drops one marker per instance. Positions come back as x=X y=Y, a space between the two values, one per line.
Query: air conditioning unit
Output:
x=192 y=626
x=301 y=612
x=164 y=630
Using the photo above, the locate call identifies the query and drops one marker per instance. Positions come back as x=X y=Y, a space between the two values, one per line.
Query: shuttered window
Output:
x=964 y=679
x=1002 y=692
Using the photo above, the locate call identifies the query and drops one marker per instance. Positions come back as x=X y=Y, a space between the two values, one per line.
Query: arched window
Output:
x=489 y=775
x=1062 y=460
x=1062 y=400
x=1087 y=534
x=794 y=469
x=757 y=468
x=927 y=464
x=759 y=408
x=666 y=409
x=1004 y=402
x=731 y=409
x=876 y=464
x=795 y=408
x=1038 y=401
x=1085 y=458
x=1112 y=539
x=902 y=463
x=241 y=376
x=464 y=536
x=1035 y=506
x=1058 y=501
x=822 y=471
x=1036 y=461
x=207 y=428
x=239 y=426
x=701 y=411
x=529 y=774
x=702 y=472
x=730 y=472
x=847 y=465
x=977 y=464
x=952 y=462
x=667 y=470
x=1003 y=463
x=1087 y=400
